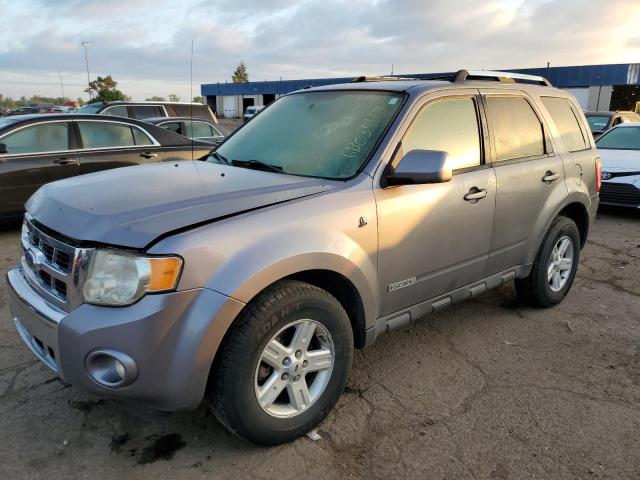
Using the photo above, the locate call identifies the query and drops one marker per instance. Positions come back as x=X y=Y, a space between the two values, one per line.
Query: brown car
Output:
x=38 y=149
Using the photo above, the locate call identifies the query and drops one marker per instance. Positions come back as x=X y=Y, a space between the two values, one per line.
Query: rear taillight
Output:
x=598 y=175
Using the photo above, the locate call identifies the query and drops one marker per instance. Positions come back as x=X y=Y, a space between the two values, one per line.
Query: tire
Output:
x=538 y=289
x=283 y=310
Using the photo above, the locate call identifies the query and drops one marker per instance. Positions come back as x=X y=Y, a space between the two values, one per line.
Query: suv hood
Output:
x=133 y=206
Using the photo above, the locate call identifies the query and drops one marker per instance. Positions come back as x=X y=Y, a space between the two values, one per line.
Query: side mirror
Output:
x=419 y=167
x=3 y=148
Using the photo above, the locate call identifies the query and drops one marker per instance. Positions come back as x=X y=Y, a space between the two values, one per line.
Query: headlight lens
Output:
x=119 y=278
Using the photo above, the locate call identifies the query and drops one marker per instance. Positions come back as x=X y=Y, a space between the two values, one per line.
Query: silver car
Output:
x=336 y=215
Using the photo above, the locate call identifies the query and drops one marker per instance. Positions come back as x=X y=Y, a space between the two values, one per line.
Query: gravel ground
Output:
x=486 y=389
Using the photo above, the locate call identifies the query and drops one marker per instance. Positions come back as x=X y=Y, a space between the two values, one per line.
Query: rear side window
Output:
x=517 y=130
x=449 y=125
x=565 y=119
x=140 y=137
x=47 y=137
x=146 y=111
x=118 y=111
x=105 y=135
x=196 y=111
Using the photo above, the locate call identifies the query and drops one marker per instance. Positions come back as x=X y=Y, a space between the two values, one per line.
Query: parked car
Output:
x=620 y=152
x=37 y=149
x=251 y=112
x=600 y=122
x=142 y=110
x=338 y=214
x=23 y=111
x=203 y=130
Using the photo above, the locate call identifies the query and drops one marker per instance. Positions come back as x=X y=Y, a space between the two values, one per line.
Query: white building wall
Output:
x=600 y=98
x=582 y=96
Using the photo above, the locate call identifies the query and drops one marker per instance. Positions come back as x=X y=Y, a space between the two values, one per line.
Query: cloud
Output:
x=145 y=44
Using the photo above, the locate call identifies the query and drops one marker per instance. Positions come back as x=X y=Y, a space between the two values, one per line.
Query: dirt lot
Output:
x=487 y=389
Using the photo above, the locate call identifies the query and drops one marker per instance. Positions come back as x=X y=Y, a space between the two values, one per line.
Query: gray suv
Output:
x=338 y=214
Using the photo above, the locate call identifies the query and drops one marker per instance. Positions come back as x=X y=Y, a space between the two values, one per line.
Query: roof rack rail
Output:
x=363 y=78
x=507 y=77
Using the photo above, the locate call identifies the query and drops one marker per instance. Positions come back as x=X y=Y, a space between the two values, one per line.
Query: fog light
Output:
x=111 y=368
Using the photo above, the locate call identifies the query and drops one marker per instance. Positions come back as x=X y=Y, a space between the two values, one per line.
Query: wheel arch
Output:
x=577 y=212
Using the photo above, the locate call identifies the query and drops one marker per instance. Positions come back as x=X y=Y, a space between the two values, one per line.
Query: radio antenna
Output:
x=191 y=99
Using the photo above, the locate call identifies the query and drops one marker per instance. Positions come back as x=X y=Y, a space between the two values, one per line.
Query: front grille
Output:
x=620 y=194
x=55 y=256
x=53 y=267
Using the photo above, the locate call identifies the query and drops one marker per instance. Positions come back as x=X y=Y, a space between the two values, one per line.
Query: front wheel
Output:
x=554 y=267
x=284 y=364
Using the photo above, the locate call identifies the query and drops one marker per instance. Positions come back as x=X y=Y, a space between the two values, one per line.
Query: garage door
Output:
x=229 y=106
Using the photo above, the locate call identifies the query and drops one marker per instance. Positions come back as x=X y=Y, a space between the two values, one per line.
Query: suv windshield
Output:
x=597 y=123
x=91 y=108
x=327 y=134
x=621 y=138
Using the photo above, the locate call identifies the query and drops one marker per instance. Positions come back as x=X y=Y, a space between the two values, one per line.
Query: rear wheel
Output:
x=554 y=267
x=284 y=364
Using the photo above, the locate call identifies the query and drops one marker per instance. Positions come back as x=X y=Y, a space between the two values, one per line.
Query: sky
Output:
x=146 y=44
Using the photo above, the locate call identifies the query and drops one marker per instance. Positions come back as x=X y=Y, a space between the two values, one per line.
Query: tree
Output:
x=156 y=98
x=173 y=97
x=240 y=75
x=105 y=90
x=197 y=99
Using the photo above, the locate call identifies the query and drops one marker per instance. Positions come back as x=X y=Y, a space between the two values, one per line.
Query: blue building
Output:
x=596 y=87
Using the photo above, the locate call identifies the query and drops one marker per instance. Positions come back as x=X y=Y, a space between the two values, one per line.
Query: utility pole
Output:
x=86 y=46
x=61 y=88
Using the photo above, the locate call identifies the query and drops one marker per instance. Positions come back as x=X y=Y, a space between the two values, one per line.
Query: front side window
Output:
x=622 y=138
x=174 y=127
x=449 y=125
x=46 y=137
x=327 y=134
x=517 y=130
x=565 y=119
x=91 y=108
x=105 y=135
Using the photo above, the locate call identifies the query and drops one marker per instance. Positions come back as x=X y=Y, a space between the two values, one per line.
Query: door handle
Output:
x=65 y=161
x=475 y=194
x=550 y=176
x=149 y=155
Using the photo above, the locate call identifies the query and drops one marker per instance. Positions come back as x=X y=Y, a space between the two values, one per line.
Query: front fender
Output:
x=251 y=270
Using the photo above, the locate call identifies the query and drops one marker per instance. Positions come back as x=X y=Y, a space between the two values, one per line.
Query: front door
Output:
x=435 y=238
x=36 y=155
x=530 y=177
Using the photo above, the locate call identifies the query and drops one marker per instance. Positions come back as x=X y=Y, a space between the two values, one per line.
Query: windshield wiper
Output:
x=258 y=165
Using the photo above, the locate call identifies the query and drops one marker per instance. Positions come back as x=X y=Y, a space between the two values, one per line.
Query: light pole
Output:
x=61 y=88
x=86 y=46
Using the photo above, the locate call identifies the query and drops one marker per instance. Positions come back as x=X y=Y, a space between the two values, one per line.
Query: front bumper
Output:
x=171 y=337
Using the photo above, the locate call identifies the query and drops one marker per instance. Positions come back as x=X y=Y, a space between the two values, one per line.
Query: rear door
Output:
x=530 y=177
x=37 y=154
x=573 y=143
x=106 y=144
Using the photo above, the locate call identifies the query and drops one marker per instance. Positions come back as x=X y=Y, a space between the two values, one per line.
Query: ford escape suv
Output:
x=338 y=214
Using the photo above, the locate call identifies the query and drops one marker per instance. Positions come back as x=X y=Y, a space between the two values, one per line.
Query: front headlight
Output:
x=120 y=278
